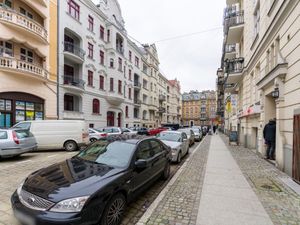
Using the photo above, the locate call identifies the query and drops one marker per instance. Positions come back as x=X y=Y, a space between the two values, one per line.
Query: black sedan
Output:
x=94 y=186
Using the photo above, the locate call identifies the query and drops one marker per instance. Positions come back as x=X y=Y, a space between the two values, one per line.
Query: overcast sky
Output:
x=193 y=60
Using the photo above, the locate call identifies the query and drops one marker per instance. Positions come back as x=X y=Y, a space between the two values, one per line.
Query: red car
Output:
x=155 y=131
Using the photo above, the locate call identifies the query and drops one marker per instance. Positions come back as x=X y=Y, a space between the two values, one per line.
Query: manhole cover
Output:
x=265 y=184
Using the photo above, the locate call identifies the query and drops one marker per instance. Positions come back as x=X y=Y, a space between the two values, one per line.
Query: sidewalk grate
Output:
x=265 y=184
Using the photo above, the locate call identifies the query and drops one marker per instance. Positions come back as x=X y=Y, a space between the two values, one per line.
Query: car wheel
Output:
x=93 y=139
x=70 y=146
x=114 y=210
x=179 y=157
x=166 y=173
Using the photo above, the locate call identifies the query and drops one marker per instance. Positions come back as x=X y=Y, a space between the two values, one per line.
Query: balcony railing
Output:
x=72 y=81
x=233 y=18
x=13 y=17
x=234 y=65
x=74 y=49
x=162 y=98
x=24 y=67
x=137 y=101
x=137 y=84
x=161 y=109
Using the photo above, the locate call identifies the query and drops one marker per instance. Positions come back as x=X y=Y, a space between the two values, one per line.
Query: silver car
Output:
x=16 y=142
x=177 y=141
x=95 y=134
x=190 y=134
x=198 y=134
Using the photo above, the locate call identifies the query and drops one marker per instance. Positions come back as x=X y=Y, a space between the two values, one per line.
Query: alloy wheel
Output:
x=115 y=212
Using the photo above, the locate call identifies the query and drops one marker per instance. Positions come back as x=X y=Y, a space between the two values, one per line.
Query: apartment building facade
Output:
x=199 y=108
x=261 y=69
x=28 y=61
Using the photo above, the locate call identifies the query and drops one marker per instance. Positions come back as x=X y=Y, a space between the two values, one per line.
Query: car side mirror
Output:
x=184 y=139
x=141 y=164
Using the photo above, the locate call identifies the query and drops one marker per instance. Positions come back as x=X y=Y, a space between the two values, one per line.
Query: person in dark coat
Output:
x=214 y=128
x=270 y=138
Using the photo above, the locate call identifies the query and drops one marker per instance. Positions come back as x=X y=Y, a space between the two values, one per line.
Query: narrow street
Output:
x=14 y=170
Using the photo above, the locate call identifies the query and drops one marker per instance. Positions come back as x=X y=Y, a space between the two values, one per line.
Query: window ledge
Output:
x=96 y=114
x=91 y=31
x=78 y=21
x=91 y=86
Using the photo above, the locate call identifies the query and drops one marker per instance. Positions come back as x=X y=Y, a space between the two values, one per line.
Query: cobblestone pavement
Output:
x=281 y=203
x=14 y=170
x=180 y=204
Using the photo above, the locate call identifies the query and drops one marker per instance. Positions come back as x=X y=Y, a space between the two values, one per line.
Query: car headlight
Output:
x=70 y=205
x=174 y=151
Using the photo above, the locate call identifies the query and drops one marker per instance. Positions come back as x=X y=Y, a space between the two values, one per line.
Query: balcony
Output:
x=137 y=85
x=115 y=99
x=161 y=110
x=162 y=98
x=233 y=25
x=137 y=102
x=74 y=52
x=73 y=115
x=73 y=83
x=24 y=68
x=24 y=24
x=234 y=69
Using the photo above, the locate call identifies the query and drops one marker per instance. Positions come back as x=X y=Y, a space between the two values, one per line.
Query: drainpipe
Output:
x=57 y=66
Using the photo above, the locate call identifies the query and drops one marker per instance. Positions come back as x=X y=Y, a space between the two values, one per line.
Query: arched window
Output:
x=96 y=106
x=126 y=111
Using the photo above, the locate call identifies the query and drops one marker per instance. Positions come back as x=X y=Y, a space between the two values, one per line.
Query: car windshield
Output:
x=196 y=131
x=168 y=136
x=187 y=131
x=116 y=154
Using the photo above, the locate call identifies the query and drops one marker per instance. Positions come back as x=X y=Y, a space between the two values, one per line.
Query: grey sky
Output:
x=193 y=60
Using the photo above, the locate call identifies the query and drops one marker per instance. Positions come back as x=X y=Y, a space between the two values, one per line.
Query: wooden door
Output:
x=296 y=149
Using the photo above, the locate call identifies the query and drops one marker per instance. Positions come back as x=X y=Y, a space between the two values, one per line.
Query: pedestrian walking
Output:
x=270 y=138
x=214 y=128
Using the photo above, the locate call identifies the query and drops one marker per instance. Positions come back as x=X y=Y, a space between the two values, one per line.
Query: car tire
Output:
x=70 y=146
x=166 y=172
x=93 y=140
x=114 y=210
x=179 y=157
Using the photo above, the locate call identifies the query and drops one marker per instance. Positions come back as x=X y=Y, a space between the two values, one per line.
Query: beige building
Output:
x=28 y=60
x=199 y=108
x=261 y=64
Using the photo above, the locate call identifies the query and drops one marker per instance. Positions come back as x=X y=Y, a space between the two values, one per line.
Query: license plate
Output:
x=23 y=218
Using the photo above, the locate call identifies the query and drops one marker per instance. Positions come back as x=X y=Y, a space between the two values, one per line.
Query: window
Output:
x=74 y=9
x=26 y=55
x=90 y=78
x=129 y=74
x=256 y=21
x=144 y=151
x=102 y=32
x=130 y=56
x=68 y=103
x=96 y=106
x=101 y=84
x=3 y=135
x=101 y=57
x=6 y=49
x=120 y=87
x=111 y=63
x=126 y=112
x=91 y=50
x=91 y=23
x=108 y=35
x=111 y=84
x=26 y=13
x=137 y=62
x=156 y=147
x=8 y=3
x=145 y=84
x=120 y=64
x=129 y=93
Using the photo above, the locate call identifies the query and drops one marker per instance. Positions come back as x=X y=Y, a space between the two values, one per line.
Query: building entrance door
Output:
x=110 y=119
x=296 y=148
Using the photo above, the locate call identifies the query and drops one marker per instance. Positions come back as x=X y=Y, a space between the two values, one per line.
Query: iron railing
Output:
x=74 y=49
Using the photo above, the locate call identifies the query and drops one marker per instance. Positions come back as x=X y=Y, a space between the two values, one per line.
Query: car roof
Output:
x=172 y=131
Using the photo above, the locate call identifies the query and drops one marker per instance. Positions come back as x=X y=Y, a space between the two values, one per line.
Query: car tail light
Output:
x=103 y=135
x=16 y=140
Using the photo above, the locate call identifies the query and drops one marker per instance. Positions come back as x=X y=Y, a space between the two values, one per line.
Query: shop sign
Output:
x=255 y=109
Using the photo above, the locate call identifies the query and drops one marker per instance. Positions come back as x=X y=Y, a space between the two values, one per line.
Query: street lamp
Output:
x=275 y=93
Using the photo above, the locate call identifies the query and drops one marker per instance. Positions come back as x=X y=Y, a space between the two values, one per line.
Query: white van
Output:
x=57 y=134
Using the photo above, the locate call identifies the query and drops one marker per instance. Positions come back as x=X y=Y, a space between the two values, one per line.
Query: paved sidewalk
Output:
x=221 y=184
x=227 y=197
